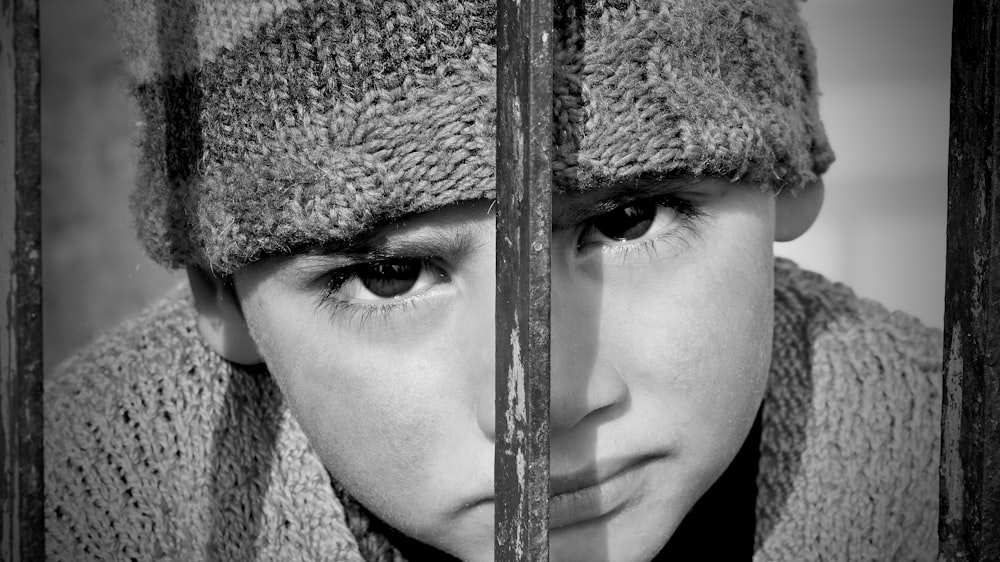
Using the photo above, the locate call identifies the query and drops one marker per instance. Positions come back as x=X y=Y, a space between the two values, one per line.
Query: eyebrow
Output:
x=386 y=242
x=572 y=209
x=458 y=240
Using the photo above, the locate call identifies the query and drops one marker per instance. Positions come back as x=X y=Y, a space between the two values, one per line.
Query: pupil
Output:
x=390 y=279
x=626 y=223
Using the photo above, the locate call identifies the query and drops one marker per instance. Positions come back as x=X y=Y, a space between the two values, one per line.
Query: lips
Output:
x=593 y=494
x=590 y=476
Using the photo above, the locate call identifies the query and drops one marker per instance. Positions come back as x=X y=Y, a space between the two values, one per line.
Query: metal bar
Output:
x=524 y=227
x=969 y=525
x=22 y=532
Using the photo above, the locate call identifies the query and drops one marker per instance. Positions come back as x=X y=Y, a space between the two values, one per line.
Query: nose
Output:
x=582 y=382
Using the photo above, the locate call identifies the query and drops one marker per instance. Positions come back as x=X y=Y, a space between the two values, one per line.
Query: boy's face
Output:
x=661 y=342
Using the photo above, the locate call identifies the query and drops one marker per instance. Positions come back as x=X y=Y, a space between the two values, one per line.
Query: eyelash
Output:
x=363 y=314
x=689 y=214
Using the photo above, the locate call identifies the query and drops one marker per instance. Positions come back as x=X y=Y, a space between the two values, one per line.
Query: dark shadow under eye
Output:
x=389 y=279
x=628 y=222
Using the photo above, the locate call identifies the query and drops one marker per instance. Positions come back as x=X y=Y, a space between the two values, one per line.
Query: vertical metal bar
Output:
x=524 y=227
x=22 y=533
x=969 y=525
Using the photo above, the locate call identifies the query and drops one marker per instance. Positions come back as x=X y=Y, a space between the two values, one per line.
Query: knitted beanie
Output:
x=273 y=125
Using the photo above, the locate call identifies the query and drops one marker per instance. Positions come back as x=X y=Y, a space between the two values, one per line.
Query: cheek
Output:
x=698 y=340
x=392 y=416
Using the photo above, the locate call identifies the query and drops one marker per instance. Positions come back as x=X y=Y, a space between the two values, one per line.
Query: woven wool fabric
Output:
x=157 y=449
x=269 y=125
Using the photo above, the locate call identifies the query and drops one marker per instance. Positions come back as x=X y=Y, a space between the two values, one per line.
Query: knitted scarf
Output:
x=158 y=449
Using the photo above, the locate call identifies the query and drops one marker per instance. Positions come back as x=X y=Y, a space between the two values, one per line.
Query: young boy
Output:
x=325 y=172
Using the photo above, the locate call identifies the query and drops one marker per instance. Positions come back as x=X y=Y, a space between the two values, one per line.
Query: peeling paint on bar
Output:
x=516 y=398
x=22 y=530
x=952 y=416
x=524 y=191
x=969 y=525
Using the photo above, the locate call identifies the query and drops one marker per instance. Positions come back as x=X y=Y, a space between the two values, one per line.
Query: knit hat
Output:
x=273 y=125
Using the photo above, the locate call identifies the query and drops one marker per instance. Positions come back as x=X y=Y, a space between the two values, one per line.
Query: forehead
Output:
x=474 y=218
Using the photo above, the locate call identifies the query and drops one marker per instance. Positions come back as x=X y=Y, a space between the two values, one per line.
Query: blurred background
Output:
x=883 y=68
x=884 y=74
x=94 y=273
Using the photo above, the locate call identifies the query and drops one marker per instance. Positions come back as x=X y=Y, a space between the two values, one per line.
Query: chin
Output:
x=631 y=536
x=601 y=549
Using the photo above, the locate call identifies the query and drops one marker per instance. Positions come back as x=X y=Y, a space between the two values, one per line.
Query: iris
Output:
x=627 y=222
x=389 y=279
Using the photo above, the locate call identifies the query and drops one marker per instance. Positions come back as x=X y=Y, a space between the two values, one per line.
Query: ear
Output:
x=220 y=319
x=796 y=212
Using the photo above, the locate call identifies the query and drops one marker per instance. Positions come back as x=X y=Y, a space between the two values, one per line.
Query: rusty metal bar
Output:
x=969 y=525
x=524 y=227
x=22 y=532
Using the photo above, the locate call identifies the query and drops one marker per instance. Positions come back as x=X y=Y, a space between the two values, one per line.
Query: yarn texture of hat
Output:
x=273 y=125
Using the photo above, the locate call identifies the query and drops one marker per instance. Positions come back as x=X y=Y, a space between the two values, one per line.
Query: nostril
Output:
x=576 y=397
x=485 y=412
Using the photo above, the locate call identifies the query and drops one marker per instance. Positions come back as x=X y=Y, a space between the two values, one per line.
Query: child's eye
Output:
x=377 y=282
x=626 y=223
x=638 y=223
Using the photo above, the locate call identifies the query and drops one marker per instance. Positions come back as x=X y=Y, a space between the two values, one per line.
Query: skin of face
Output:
x=660 y=351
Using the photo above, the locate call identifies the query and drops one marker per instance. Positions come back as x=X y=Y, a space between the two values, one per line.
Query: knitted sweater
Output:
x=157 y=449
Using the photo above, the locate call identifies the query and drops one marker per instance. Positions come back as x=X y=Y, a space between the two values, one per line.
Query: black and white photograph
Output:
x=500 y=280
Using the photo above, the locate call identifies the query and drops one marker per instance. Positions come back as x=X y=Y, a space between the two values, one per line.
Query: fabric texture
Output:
x=269 y=125
x=157 y=449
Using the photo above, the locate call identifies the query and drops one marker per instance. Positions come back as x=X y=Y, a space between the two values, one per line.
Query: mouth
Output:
x=592 y=493
x=595 y=492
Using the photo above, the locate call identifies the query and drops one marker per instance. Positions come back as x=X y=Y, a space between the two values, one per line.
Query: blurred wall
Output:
x=884 y=73
x=883 y=69
x=94 y=273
